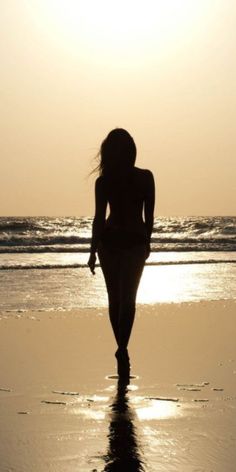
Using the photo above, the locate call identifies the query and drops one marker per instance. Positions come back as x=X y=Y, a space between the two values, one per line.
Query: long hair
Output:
x=117 y=154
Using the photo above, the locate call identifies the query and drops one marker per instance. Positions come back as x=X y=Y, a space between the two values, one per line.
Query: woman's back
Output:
x=126 y=196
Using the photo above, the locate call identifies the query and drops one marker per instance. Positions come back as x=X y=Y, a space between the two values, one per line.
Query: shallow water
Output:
x=43 y=263
x=65 y=289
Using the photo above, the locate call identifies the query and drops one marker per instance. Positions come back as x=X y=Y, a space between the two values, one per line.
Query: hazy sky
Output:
x=72 y=70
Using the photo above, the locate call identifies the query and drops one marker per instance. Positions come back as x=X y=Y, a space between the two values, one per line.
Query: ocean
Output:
x=43 y=263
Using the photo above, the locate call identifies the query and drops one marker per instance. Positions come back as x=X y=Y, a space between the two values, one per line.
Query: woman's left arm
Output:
x=98 y=221
x=149 y=204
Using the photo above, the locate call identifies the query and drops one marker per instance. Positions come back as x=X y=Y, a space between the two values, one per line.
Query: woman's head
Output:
x=117 y=153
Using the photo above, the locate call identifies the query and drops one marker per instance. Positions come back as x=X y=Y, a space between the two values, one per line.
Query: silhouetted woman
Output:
x=122 y=241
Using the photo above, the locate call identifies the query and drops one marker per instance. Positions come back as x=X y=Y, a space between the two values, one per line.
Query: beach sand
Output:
x=178 y=413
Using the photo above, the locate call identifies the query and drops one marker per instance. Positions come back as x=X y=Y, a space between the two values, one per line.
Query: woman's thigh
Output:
x=110 y=261
x=130 y=272
x=122 y=270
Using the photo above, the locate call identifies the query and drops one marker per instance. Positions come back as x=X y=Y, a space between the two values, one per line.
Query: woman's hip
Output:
x=122 y=257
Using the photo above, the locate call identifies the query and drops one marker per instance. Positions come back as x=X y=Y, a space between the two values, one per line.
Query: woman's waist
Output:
x=119 y=234
x=127 y=225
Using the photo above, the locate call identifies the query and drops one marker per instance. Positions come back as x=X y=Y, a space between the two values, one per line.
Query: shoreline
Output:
x=28 y=313
x=58 y=385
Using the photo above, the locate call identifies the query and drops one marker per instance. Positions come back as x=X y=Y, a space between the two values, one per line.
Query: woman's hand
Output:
x=91 y=262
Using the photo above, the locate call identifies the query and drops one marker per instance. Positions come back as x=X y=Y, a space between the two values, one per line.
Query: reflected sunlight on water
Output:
x=172 y=284
x=91 y=414
x=157 y=410
x=129 y=423
x=177 y=284
x=185 y=283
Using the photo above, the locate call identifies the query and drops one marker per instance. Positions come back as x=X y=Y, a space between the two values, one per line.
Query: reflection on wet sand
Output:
x=123 y=449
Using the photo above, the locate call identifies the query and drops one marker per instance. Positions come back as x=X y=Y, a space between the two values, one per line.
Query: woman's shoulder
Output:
x=100 y=184
x=144 y=174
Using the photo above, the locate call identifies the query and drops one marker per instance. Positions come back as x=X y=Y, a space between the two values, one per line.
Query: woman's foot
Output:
x=123 y=364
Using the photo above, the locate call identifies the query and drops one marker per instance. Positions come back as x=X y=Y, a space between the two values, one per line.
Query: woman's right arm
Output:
x=98 y=221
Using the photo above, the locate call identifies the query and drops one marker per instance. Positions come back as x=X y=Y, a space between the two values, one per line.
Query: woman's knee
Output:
x=127 y=307
x=114 y=304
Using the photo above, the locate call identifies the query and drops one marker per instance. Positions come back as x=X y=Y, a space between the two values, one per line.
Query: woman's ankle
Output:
x=122 y=353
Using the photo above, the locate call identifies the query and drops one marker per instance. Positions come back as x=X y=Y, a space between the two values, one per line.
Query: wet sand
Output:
x=61 y=408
